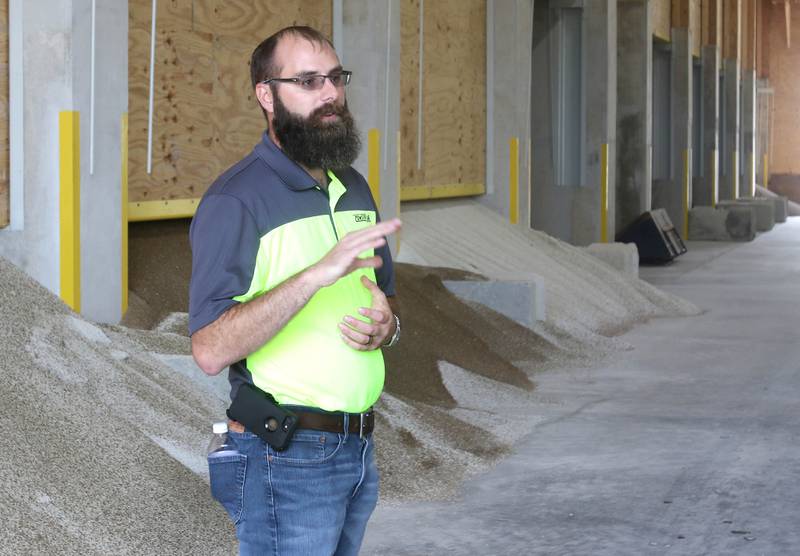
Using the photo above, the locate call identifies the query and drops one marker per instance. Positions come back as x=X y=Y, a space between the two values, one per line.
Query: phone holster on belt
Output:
x=258 y=412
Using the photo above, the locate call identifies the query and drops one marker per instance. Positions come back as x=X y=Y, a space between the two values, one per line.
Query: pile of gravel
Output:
x=94 y=430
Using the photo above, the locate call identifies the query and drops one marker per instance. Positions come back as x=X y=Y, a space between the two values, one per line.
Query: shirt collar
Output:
x=291 y=173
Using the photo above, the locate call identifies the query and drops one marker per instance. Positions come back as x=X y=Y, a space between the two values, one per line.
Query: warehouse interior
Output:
x=558 y=390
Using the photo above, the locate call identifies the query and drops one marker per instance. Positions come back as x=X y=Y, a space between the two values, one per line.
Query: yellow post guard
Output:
x=70 y=204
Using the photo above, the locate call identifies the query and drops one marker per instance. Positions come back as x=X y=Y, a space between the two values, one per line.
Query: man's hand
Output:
x=365 y=336
x=344 y=257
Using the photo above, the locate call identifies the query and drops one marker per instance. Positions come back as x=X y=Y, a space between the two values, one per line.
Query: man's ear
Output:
x=264 y=96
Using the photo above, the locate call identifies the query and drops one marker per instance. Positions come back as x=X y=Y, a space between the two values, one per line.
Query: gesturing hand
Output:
x=365 y=336
x=344 y=257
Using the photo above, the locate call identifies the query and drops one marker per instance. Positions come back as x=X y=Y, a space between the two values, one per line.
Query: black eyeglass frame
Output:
x=346 y=74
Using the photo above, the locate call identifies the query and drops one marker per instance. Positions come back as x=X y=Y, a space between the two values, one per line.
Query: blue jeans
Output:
x=315 y=497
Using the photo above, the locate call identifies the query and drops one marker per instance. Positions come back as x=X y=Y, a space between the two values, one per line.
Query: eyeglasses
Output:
x=315 y=82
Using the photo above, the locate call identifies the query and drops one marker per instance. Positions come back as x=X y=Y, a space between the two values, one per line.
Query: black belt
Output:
x=358 y=423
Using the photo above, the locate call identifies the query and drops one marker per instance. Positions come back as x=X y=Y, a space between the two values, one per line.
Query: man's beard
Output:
x=314 y=143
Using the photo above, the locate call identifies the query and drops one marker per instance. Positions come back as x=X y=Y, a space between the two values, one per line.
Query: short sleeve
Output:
x=224 y=240
x=384 y=275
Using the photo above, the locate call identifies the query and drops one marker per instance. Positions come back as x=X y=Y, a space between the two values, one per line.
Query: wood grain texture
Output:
x=695 y=22
x=681 y=10
x=745 y=37
x=205 y=114
x=785 y=80
x=764 y=31
x=454 y=97
x=711 y=24
x=4 y=131
x=409 y=87
x=760 y=20
x=661 y=18
x=731 y=31
x=749 y=23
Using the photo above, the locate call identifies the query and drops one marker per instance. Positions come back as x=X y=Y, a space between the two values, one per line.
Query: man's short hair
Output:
x=262 y=62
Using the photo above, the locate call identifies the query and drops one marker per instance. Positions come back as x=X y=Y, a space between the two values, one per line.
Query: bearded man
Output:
x=290 y=289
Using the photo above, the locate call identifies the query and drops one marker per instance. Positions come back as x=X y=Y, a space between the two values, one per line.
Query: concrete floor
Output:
x=687 y=444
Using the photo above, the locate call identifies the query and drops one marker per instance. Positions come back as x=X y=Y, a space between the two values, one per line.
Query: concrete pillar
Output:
x=748 y=155
x=47 y=59
x=508 y=45
x=56 y=40
x=634 y=111
x=729 y=166
x=677 y=201
x=600 y=35
x=101 y=187
x=370 y=43
x=706 y=193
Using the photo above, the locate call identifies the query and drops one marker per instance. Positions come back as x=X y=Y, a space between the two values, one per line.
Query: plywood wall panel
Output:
x=409 y=91
x=205 y=114
x=784 y=78
x=455 y=111
x=711 y=22
x=764 y=42
x=661 y=18
x=248 y=18
x=171 y=15
x=732 y=29
x=4 y=131
x=695 y=22
x=238 y=119
x=454 y=98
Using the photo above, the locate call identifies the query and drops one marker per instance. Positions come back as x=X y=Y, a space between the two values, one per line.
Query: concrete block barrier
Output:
x=764 y=211
x=728 y=223
x=520 y=298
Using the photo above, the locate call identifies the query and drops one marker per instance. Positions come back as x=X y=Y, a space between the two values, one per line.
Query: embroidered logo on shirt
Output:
x=362 y=218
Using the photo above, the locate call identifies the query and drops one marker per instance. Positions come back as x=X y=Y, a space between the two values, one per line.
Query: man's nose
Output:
x=329 y=91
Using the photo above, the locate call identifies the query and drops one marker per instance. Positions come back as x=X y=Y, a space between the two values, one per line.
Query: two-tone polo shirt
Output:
x=261 y=222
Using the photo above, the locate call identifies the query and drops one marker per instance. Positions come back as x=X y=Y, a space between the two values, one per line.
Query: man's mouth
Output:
x=328 y=114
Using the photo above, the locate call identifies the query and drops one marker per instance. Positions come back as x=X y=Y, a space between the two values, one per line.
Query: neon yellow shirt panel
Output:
x=307 y=362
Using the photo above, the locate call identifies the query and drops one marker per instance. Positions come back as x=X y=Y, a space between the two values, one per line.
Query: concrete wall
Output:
x=508 y=48
x=705 y=194
x=764 y=100
x=748 y=134
x=370 y=42
x=729 y=165
x=634 y=111
x=56 y=66
x=601 y=120
x=571 y=212
x=676 y=202
x=47 y=61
